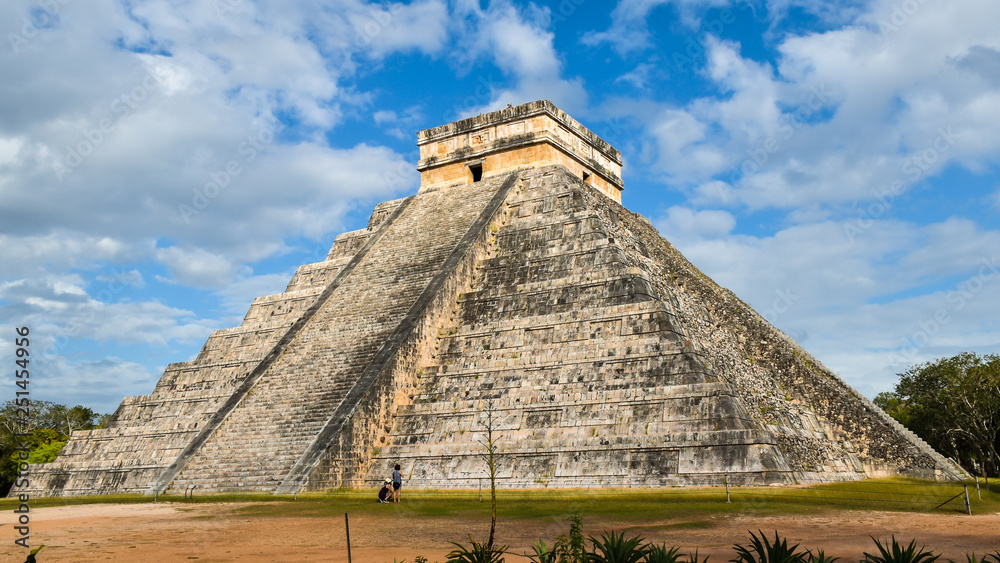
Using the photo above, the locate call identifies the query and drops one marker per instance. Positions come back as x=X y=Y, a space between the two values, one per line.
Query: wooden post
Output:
x=726 y=479
x=968 y=507
x=978 y=493
x=480 y=489
x=347 y=526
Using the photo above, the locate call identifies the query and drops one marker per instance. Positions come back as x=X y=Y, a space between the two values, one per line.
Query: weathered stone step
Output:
x=294 y=399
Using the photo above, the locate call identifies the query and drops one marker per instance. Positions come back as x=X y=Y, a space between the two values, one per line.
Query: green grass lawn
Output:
x=626 y=504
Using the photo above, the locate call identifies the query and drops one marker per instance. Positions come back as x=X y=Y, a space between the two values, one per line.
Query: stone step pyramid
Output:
x=514 y=284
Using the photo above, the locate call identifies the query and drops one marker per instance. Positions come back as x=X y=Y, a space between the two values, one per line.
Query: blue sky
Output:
x=834 y=163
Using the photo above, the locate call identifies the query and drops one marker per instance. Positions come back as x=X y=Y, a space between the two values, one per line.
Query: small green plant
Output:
x=660 y=554
x=543 y=554
x=896 y=553
x=763 y=551
x=476 y=553
x=572 y=548
x=420 y=559
x=615 y=548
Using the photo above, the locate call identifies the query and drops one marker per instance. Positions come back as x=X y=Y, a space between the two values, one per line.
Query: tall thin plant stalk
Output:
x=491 y=462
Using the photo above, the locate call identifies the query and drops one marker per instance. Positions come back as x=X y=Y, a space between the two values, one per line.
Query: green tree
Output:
x=954 y=405
x=45 y=431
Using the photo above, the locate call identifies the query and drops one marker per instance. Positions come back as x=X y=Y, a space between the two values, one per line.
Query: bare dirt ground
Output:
x=166 y=532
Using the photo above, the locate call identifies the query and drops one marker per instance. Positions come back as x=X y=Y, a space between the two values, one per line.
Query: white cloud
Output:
x=637 y=77
x=869 y=309
x=99 y=384
x=197 y=267
x=131 y=278
x=682 y=223
x=630 y=28
x=843 y=116
x=384 y=116
x=400 y=125
x=237 y=296
x=521 y=46
x=629 y=31
x=9 y=149
x=713 y=192
x=60 y=251
x=63 y=308
x=420 y=26
x=148 y=134
x=187 y=91
x=100 y=146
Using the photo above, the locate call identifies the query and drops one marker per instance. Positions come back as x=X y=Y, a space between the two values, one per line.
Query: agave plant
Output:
x=820 y=557
x=614 y=548
x=988 y=558
x=763 y=551
x=476 y=553
x=660 y=554
x=896 y=553
x=543 y=553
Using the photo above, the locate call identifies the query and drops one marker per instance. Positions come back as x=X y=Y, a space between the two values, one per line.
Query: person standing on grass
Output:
x=397 y=483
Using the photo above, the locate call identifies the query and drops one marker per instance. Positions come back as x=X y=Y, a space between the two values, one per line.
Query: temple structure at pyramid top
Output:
x=515 y=283
x=531 y=135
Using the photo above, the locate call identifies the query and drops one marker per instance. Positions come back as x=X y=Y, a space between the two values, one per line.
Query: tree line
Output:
x=48 y=428
x=953 y=404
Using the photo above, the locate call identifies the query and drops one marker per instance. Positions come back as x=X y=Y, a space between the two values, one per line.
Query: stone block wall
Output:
x=592 y=377
x=146 y=434
x=823 y=427
x=260 y=444
x=349 y=457
x=607 y=358
x=530 y=135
